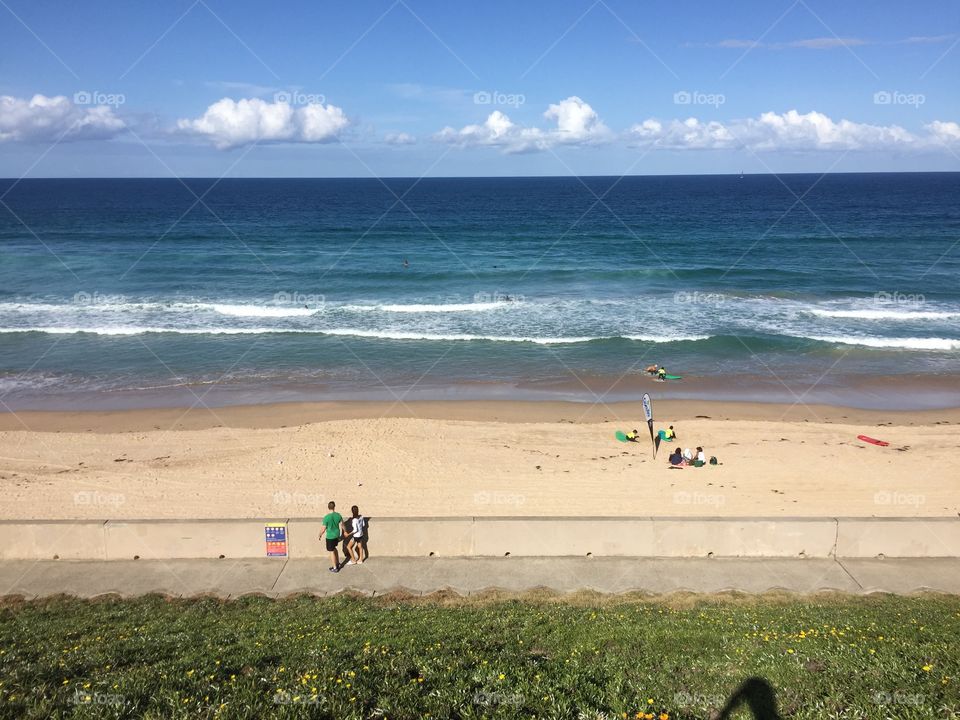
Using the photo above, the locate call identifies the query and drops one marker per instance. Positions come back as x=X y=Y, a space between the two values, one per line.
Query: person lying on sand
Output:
x=633 y=436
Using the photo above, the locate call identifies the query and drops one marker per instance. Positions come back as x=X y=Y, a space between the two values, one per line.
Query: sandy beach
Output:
x=475 y=458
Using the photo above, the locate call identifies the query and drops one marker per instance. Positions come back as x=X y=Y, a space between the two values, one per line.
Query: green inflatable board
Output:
x=673 y=377
x=620 y=435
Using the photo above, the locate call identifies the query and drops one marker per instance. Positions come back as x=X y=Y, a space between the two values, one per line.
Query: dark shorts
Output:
x=357 y=539
x=332 y=544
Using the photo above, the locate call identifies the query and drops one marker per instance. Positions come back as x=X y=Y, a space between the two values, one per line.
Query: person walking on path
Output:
x=333 y=529
x=357 y=546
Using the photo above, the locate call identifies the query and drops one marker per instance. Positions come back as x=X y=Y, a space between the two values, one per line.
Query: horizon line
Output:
x=478 y=177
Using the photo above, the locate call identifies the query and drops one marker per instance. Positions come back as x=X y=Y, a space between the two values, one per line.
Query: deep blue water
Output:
x=286 y=289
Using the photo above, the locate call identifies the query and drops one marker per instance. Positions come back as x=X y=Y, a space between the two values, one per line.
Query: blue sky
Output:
x=412 y=87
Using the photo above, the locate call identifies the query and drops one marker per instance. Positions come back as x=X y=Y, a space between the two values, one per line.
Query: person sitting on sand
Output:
x=669 y=434
x=701 y=456
x=633 y=436
x=676 y=457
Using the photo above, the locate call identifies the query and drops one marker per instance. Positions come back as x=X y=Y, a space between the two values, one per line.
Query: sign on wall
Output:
x=276 y=534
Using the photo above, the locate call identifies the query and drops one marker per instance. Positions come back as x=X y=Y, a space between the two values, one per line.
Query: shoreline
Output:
x=869 y=392
x=286 y=414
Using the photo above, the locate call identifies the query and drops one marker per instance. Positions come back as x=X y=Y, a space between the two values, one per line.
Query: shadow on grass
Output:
x=757 y=694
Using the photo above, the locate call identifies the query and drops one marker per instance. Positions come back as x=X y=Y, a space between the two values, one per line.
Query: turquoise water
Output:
x=126 y=292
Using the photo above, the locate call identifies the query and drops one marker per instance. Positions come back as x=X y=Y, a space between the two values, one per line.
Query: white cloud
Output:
x=822 y=43
x=229 y=123
x=944 y=132
x=399 y=138
x=576 y=124
x=817 y=43
x=789 y=131
x=48 y=119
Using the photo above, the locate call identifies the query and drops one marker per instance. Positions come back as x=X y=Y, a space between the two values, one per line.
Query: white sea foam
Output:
x=259 y=310
x=413 y=335
x=134 y=330
x=667 y=338
x=902 y=343
x=345 y=332
x=885 y=314
x=429 y=308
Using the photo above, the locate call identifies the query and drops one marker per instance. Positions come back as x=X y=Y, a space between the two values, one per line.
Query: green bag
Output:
x=713 y=460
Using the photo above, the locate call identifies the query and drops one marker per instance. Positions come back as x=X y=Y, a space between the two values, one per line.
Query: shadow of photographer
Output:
x=758 y=695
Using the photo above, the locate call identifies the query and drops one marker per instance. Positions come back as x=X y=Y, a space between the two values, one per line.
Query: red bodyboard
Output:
x=873 y=441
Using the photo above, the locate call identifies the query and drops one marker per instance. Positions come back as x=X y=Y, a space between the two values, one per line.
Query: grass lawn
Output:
x=539 y=656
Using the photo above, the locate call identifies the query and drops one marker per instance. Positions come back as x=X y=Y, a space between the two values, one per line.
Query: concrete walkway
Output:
x=277 y=577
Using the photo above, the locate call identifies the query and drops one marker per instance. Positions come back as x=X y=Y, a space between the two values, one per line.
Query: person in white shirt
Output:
x=357 y=545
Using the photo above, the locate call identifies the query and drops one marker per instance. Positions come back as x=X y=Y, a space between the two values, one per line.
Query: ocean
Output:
x=798 y=288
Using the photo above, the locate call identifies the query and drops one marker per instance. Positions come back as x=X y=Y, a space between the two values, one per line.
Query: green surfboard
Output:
x=620 y=435
x=673 y=377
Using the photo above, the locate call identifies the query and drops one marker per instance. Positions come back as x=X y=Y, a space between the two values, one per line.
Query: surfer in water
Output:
x=406 y=264
x=652 y=369
x=662 y=373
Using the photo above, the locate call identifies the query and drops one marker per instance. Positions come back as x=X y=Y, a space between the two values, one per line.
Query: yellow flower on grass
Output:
x=501 y=676
x=927 y=668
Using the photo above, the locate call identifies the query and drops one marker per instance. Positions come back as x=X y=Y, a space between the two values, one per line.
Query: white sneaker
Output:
x=351 y=562
x=359 y=562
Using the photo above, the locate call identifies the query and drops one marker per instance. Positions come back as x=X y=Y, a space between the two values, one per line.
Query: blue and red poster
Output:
x=276 y=540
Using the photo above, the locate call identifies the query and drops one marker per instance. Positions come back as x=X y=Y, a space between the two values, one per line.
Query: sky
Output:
x=389 y=88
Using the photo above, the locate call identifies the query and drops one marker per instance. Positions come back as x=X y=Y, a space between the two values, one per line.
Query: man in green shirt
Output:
x=333 y=529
